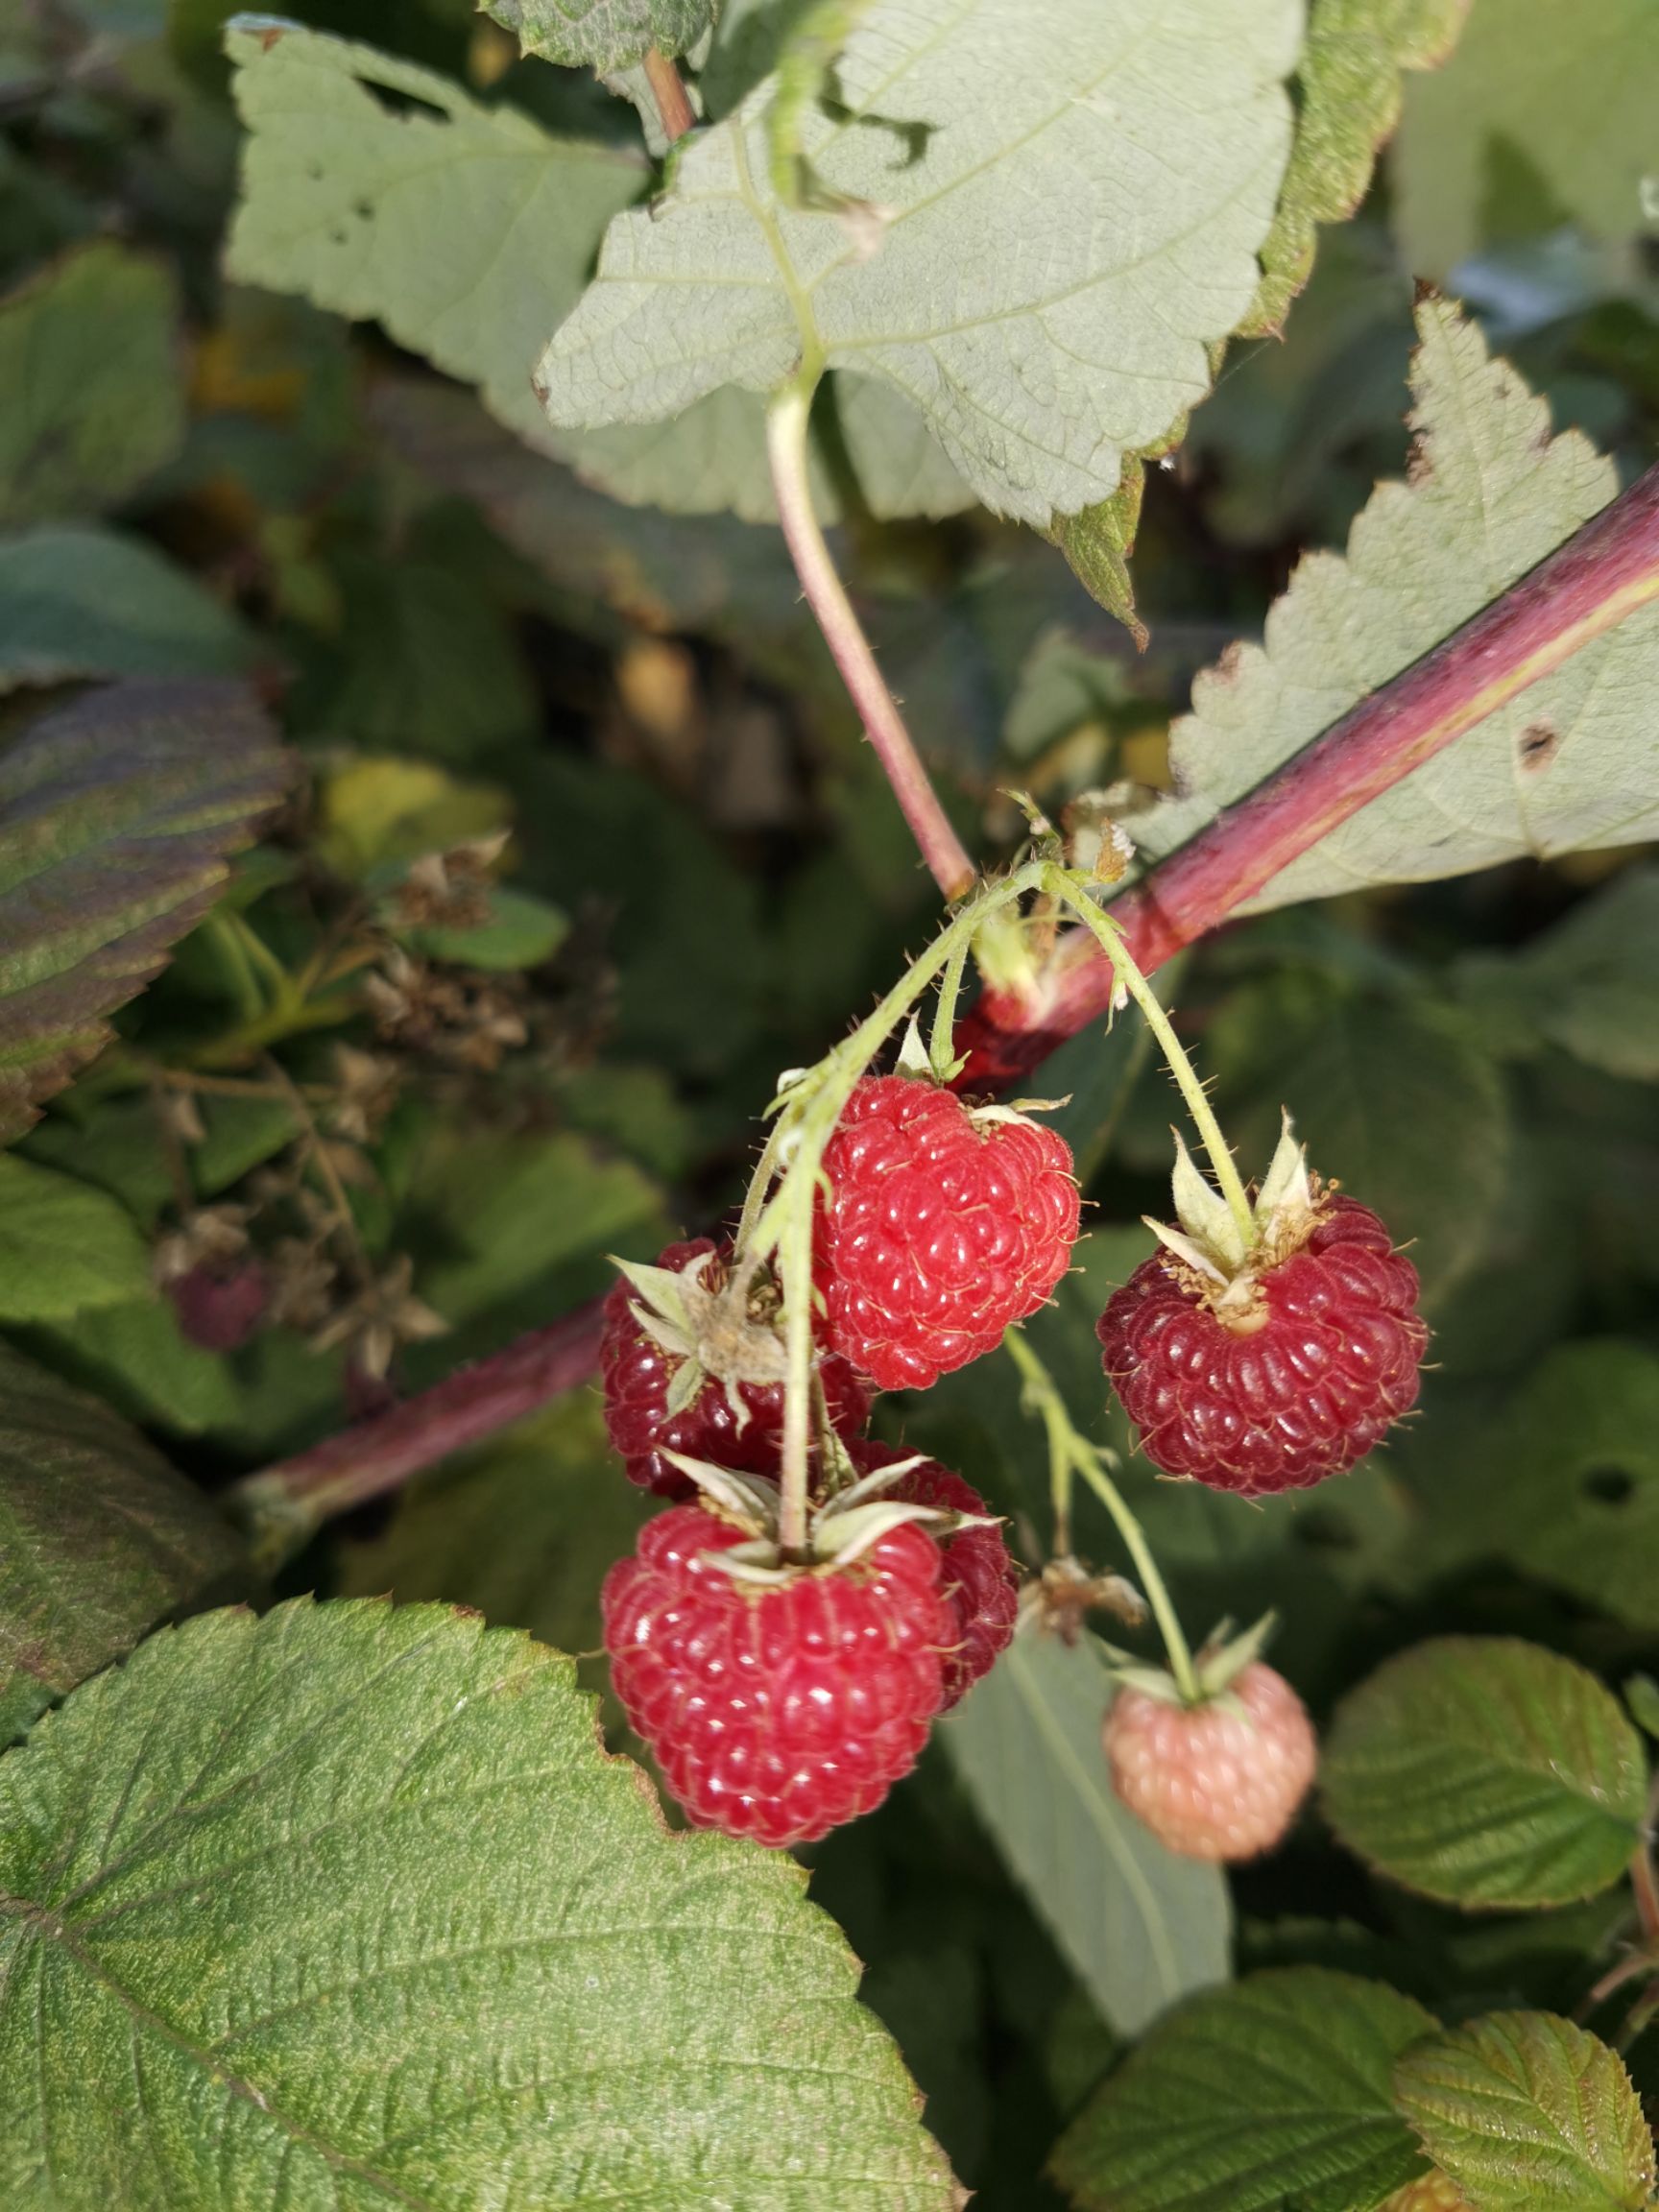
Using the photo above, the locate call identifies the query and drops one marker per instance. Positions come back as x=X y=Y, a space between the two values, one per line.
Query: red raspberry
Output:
x=945 y=1226
x=1296 y=1384
x=639 y=1373
x=981 y=1581
x=777 y=1711
x=1211 y=1782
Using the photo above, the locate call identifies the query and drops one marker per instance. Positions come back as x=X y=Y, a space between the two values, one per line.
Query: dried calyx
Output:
x=1215 y=1668
x=717 y=1320
x=840 y=1530
x=1215 y=1260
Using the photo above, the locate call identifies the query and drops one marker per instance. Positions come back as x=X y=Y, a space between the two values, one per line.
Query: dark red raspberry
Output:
x=945 y=1226
x=981 y=1581
x=780 y=1710
x=1298 y=1385
x=640 y=1373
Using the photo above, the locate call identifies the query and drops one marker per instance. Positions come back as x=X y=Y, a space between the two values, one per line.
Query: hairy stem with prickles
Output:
x=1111 y=941
x=1082 y=1458
x=807 y=1118
x=944 y=1029
x=941 y=848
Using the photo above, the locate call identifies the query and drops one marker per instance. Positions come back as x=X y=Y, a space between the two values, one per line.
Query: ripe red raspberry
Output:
x=981 y=1581
x=777 y=1711
x=1275 y=1389
x=945 y=1226
x=640 y=1370
x=1209 y=1782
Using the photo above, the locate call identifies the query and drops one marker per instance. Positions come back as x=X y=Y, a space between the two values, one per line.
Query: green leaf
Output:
x=64 y=1247
x=89 y=603
x=1272 y=2096
x=1392 y=1097
x=1587 y=985
x=117 y=815
x=91 y=364
x=1575 y=1455
x=381 y=813
x=1349 y=90
x=1485 y=1771
x=1140 y=1927
x=381 y=190
x=523 y=1529
x=519 y=1227
x=1642 y=1703
x=1560 y=768
x=1528 y=2113
x=991 y=276
x=344 y=1909
x=99 y=1541
x=1571 y=93
x=602 y=34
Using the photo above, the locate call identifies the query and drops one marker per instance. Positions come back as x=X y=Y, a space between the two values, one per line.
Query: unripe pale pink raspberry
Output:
x=943 y=1227
x=1430 y=2192
x=1210 y=1781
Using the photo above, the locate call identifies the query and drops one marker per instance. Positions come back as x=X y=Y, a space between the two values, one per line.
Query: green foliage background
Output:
x=376 y=1115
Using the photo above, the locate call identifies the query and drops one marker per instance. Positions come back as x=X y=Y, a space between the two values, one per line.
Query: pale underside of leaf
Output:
x=1573 y=763
x=117 y=815
x=344 y=1909
x=381 y=190
x=1140 y=1925
x=1052 y=255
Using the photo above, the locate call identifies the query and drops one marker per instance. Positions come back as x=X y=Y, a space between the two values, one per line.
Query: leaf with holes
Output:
x=345 y=1908
x=1486 y=1772
x=1574 y=1454
x=1574 y=762
x=1038 y=261
x=117 y=815
x=1140 y=1925
x=1271 y=2096
x=602 y=34
x=100 y=1540
x=380 y=189
x=1526 y=2113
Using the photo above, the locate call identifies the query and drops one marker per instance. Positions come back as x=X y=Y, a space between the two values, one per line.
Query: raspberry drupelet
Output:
x=943 y=1226
x=779 y=1709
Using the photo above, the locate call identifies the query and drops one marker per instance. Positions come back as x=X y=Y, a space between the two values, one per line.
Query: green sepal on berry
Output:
x=723 y=1333
x=1210 y=1241
x=841 y=1529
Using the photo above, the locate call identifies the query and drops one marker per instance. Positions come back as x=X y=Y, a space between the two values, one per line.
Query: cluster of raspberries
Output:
x=780 y=1703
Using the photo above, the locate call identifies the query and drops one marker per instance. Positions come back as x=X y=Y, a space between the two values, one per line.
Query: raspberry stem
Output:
x=808 y=1113
x=942 y=849
x=1071 y=1452
x=1110 y=939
